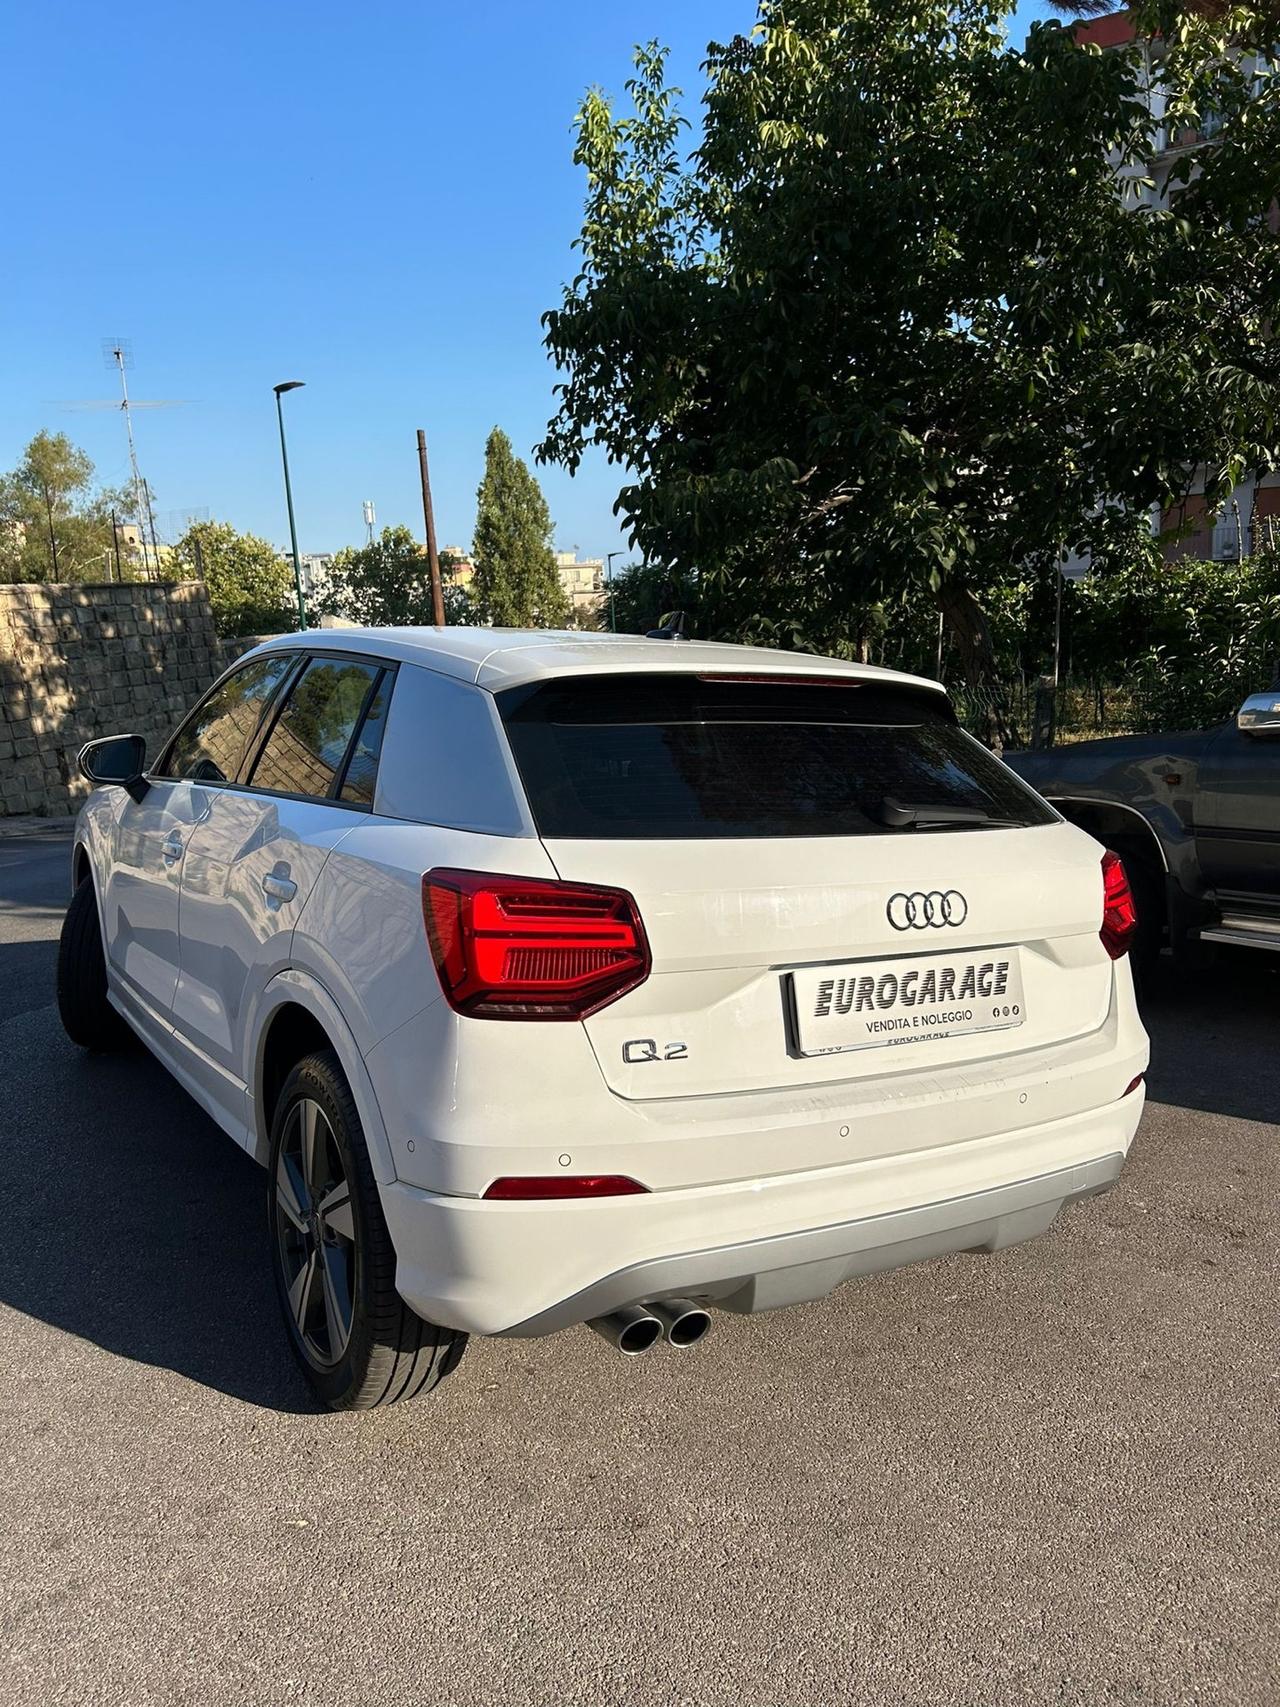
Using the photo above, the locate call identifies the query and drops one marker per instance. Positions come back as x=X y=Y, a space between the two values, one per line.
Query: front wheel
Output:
x=358 y=1342
x=87 y=1016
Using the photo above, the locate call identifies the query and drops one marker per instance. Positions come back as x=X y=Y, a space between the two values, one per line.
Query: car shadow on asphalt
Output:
x=1215 y=1042
x=133 y=1222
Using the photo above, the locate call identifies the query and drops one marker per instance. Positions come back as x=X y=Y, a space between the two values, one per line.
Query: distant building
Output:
x=583 y=581
x=137 y=552
x=315 y=566
x=456 y=565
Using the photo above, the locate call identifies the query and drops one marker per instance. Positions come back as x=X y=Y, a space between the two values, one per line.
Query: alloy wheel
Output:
x=315 y=1233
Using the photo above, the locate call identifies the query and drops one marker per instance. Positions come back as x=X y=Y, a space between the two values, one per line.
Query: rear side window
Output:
x=362 y=766
x=211 y=743
x=669 y=756
x=307 y=746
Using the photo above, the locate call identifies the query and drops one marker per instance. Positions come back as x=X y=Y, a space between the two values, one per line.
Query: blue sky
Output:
x=376 y=199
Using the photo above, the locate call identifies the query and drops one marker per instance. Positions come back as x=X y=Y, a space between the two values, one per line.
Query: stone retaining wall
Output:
x=83 y=660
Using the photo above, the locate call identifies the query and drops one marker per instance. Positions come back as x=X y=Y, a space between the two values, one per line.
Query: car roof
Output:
x=495 y=658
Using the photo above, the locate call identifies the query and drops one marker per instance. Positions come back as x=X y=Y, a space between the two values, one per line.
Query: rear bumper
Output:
x=529 y=1269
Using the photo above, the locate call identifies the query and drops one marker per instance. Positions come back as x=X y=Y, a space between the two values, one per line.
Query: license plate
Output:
x=867 y=1003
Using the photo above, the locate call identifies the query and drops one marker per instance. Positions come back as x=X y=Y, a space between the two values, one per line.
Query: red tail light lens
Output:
x=526 y=948
x=1119 y=915
x=533 y=1188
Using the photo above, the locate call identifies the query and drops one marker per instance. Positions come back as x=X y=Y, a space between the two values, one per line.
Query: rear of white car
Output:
x=564 y=978
x=809 y=985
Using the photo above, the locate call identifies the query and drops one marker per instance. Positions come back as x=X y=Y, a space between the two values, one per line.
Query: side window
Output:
x=211 y=743
x=308 y=743
x=362 y=767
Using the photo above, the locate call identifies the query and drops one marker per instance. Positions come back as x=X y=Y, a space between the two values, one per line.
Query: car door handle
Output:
x=171 y=847
x=278 y=889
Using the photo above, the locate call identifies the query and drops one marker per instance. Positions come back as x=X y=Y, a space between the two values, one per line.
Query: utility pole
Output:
x=291 y=385
x=433 y=559
x=608 y=575
x=115 y=543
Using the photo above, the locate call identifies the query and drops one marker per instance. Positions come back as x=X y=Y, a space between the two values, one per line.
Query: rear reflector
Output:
x=520 y=1188
x=1133 y=1085
x=1119 y=915
x=526 y=948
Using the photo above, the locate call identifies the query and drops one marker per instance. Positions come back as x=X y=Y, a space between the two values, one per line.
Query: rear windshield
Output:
x=668 y=756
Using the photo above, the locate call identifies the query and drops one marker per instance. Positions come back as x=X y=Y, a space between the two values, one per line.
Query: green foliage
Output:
x=54 y=525
x=515 y=583
x=644 y=595
x=1186 y=641
x=250 y=585
x=892 y=328
x=387 y=584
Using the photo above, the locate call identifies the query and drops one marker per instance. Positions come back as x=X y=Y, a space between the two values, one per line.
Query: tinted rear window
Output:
x=667 y=756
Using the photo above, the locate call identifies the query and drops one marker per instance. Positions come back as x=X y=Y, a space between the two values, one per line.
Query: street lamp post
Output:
x=291 y=385
x=608 y=571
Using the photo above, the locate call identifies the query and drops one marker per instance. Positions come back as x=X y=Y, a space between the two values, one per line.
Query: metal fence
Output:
x=1035 y=714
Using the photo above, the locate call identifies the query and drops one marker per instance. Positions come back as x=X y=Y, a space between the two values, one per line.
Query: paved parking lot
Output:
x=1047 y=1476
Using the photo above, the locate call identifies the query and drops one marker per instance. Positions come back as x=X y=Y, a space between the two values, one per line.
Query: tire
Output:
x=87 y=1016
x=358 y=1342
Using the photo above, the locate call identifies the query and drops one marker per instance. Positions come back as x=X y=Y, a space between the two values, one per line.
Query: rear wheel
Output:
x=358 y=1342
x=87 y=1016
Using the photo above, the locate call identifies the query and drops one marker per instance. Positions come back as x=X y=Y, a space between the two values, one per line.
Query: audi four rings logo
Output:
x=918 y=911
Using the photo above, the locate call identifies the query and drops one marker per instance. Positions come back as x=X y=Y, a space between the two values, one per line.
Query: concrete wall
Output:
x=80 y=660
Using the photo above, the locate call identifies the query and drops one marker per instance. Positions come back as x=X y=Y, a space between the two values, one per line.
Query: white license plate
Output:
x=865 y=1003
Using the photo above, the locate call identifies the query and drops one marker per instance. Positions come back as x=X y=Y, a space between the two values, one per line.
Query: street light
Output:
x=291 y=385
x=608 y=571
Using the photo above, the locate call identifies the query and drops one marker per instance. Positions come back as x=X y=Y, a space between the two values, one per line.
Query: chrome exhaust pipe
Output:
x=631 y=1330
x=683 y=1321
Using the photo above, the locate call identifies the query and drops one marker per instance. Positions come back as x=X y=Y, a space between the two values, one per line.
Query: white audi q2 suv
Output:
x=560 y=978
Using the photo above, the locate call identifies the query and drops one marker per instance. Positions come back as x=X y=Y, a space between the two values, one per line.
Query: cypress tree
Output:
x=515 y=584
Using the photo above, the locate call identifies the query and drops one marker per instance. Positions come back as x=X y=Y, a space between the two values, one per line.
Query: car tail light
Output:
x=526 y=948
x=535 y=1188
x=1119 y=915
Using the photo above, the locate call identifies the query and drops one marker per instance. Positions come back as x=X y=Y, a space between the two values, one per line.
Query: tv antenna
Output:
x=118 y=353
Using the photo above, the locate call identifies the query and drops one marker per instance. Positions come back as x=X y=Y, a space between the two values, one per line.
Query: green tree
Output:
x=515 y=583
x=646 y=594
x=893 y=325
x=250 y=584
x=387 y=584
x=54 y=524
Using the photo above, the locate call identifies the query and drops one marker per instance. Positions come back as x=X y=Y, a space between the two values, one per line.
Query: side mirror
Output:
x=1260 y=714
x=115 y=760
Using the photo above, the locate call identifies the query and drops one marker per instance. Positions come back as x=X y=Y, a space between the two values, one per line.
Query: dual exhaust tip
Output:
x=637 y=1327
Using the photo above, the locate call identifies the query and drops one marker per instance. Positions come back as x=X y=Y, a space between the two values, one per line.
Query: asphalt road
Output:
x=1050 y=1475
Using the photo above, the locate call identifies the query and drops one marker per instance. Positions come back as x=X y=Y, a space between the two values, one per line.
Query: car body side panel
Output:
x=361 y=933
x=141 y=881
x=297 y=988
x=234 y=935
x=1238 y=813
x=445 y=758
x=1154 y=776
